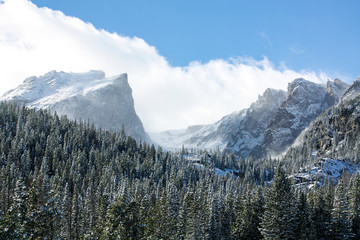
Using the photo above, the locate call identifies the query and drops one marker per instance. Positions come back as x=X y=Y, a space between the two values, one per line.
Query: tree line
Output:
x=63 y=179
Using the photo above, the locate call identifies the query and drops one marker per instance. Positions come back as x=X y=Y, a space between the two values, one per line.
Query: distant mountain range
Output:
x=336 y=132
x=106 y=102
x=269 y=126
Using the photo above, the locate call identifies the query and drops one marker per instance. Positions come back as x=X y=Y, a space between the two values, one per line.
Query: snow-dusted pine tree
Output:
x=279 y=212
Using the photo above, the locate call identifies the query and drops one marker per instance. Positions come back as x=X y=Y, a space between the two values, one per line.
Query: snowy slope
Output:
x=324 y=168
x=305 y=101
x=106 y=102
x=268 y=127
x=335 y=133
x=237 y=132
x=54 y=86
x=353 y=91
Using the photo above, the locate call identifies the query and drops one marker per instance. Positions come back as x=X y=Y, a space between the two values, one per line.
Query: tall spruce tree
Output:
x=355 y=206
x=340 y=215
x=279 y=212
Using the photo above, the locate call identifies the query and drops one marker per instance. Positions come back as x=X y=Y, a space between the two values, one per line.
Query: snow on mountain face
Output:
x=316 y=174
x=56 y=84
x=334 y=134
x=238 y=132
x=352 y=91
x=336 y=89
x=304 y=102
x=249 y=131
x=106 y=102
x=268 y=127
x=199 y=136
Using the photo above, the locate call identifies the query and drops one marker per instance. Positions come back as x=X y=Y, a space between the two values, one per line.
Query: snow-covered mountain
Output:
x=106 y=102
x=305 y=101
x=268 y=127
x=237 y=132
x=353 y=91
x=335 y=133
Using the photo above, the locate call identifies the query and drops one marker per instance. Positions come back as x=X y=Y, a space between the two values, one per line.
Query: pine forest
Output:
x=63 y=179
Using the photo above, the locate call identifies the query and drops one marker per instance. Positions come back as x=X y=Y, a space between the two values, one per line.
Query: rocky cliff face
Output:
x=353 y=91
x=305 y=101
x=268 y=127
x=238 y=132
x=335 y=133
x=106 y=102
x=249 y=131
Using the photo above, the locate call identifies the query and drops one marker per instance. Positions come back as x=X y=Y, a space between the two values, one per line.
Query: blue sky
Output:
x=317 y=35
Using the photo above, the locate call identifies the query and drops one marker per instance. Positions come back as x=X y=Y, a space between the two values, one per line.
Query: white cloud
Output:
x=264 y=36
x=296 y=50
x=36 y=40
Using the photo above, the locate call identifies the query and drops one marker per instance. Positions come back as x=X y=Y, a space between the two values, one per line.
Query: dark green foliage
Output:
x=62 y=179
x=279 y=220
x=355 y=206
x=340 y=221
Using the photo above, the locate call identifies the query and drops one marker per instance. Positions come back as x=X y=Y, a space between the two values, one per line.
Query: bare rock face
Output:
x=353 y=91
x=106 y=102
x=249 y=131
x=335 y=133
x=268 y=127
x=305 y=101
x=238 y=132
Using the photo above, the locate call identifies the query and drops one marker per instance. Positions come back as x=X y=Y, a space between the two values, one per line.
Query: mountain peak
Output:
x=336 y=89
x=106 y=102
x=305 y=100
x=352 y=91
x=300 y=82
x=121 y=80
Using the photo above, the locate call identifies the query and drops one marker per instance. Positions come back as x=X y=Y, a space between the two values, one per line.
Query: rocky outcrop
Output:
x=106 y=102
x=305 y=101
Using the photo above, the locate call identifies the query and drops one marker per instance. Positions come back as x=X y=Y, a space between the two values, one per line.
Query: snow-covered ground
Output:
x=324 y=168
x=44 y=91
x=196 y=160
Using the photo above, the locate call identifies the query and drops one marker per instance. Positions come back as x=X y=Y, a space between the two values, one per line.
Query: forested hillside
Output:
x=62 y=179
x=334 y=134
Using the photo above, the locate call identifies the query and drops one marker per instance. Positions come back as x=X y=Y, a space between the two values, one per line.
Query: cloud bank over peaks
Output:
x=34 y=41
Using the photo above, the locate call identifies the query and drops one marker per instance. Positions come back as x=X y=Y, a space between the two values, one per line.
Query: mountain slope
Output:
x=305 y=101
x=249 y=131
x=238 y=132
x=268 y=127
x=352 y=91
x=106 y=102
x=335 y=133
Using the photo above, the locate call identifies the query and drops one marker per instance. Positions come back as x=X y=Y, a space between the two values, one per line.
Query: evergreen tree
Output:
x=279 y=219
x=122 y=220
x=340 y=215
x=214 y=227
x=355 y=206
x=250 y=211
x=302 y=217
x=319 y=215
x=14 y=224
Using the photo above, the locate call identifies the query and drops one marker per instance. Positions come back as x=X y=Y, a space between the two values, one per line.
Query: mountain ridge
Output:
x=267 y=128
x=106 y=102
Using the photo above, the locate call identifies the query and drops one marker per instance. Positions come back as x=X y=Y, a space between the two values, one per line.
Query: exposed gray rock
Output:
x=106 y=102
x=249 y=131
x=268 y=127
x=353 y=91
x=305 y=101
x=238 y=132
